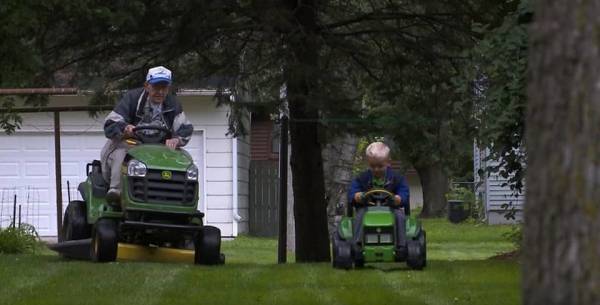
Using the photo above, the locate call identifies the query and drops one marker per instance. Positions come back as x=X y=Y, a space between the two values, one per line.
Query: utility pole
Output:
x=283 y=178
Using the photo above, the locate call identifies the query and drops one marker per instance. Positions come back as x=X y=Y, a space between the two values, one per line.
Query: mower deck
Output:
x=131 y=252
x=80 y=249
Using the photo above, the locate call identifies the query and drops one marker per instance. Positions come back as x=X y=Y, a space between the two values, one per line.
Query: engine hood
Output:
x=377 y=217
x=157 y=156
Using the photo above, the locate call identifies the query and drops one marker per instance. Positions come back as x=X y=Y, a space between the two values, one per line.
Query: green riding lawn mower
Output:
x=157 y=217
x=378 y=242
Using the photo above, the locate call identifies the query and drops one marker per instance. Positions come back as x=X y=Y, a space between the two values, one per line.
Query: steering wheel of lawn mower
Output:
x=160 y=137
x=378 y=197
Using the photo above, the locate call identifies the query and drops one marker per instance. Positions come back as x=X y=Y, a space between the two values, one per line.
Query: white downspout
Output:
x=236 y=215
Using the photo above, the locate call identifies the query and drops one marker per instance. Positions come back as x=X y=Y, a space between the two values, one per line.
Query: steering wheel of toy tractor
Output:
x=160 y=137
x=378 y=197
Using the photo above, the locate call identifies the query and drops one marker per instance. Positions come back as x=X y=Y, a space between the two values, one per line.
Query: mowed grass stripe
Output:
x=20 y=276
x=86 y=283
x=366 y=285
x=458 y=272
x=216 y=284
x=463 y=282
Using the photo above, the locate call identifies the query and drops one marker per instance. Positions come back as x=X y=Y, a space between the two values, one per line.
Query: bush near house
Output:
x=16 y=240
x=470 y=201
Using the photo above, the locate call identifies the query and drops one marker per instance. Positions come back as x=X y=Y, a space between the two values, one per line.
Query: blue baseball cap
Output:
x=158 y=74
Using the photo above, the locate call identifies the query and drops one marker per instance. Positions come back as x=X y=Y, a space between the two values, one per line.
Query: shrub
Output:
x=515 y=236
x=471 y=203
x=23 y=239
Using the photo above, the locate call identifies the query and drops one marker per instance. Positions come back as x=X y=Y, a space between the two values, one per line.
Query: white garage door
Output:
x=27 y=170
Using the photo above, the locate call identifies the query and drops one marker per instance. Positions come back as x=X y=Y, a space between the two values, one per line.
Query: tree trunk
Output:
x=562 y=214
x=435 y=186
x=338 y=159
x=310 y=206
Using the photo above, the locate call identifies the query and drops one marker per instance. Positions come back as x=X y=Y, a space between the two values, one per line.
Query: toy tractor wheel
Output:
x=75 y=225
x=342 y=255
x=208 y=247
x=417 y=252
x=359 y=259
x=359 y=263
x=104 y=241
x=423 y=244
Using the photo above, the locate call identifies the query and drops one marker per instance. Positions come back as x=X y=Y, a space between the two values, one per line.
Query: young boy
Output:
x=380 y=176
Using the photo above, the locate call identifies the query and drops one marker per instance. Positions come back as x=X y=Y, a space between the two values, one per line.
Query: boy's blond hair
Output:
x=378 y=150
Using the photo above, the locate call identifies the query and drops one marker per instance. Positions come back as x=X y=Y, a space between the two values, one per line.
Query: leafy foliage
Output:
x=21 y=239
x=470 y=201
x=496 y=80
x=9 y=121
x=515 y=236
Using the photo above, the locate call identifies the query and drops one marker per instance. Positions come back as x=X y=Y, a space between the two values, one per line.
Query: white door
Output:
x=27 y=170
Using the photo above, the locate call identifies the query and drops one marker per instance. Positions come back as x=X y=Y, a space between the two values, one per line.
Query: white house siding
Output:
x=491 y=191
x=27 y=161
x=219 y=189
x=243 y=146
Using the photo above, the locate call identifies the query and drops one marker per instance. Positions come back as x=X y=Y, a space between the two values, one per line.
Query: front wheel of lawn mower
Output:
x=417 y=252
x=423 y=245
x=207 y=247
x=342 y=255
x=104 y=241
x=75 y=225
x=359 y=263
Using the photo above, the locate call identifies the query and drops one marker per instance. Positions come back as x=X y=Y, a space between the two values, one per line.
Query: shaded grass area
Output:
x=457 y=273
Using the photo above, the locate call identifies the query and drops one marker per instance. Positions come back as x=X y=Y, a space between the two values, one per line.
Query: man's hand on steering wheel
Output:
x=172 y=143
x=159 y=135
x=128 y=131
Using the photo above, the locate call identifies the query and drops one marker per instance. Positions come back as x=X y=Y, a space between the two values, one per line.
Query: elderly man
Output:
x=149 y=105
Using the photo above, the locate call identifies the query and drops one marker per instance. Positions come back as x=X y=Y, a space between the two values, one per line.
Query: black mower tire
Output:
x=105 y=240
x=359 y=263
x=417 y=252
x=334 y=241
x=423 y=244
x=75 y=226
x=342 y=258
x=208 y=247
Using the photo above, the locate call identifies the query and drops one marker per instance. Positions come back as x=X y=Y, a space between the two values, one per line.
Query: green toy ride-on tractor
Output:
x=157 y=208
x=378 y=242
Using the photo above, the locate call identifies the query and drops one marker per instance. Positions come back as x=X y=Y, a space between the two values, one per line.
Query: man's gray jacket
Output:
x=130 y=110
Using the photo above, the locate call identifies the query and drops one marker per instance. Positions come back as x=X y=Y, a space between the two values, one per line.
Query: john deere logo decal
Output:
x=166 y=175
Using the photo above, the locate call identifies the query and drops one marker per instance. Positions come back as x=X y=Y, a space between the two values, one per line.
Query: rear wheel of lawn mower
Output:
x=417 y=252
x=208 y=247
x=75 y=226
x=104 y=241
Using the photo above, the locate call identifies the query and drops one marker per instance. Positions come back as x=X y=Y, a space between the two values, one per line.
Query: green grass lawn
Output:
x=458 y=272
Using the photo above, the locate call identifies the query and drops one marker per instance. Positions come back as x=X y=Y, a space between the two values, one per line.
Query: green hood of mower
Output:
x=157 y=156
x=378 y=218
